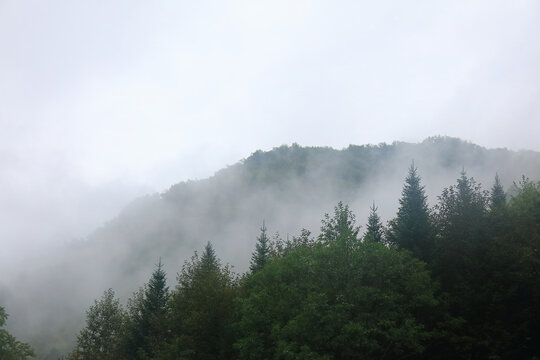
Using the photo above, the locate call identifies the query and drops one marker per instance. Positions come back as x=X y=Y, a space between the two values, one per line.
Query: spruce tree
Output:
x=412 y=228
x=209 y=261
x=149 y=311
x=374 y=228
x=497 y=197
x=262 y=251
x=202 y=310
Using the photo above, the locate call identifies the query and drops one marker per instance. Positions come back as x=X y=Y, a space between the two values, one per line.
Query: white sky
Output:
x=104 y=100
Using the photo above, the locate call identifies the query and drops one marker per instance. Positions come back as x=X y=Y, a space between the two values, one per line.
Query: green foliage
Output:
x=461 y=223
x=280 y=247
x=262 y=251
x=519 y=256
x=340 y=228
x=202 y=309
x=10 y=347
x=336 y=297
x=374 y=228
x=412 y=228
x=497 y=198
x=147 y=329
x=102 y=336
x=307 y=305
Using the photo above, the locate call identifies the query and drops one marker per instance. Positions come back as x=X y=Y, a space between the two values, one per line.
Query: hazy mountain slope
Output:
x=288 y=187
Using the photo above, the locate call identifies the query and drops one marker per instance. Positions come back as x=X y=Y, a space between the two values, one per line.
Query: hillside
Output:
x=289 y=187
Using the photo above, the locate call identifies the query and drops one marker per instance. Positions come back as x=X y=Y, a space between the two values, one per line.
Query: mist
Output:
x=289 y=188
x=126 y=126
x=116 y=100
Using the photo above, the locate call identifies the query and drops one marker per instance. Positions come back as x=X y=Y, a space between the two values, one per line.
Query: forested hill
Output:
x=289 y=188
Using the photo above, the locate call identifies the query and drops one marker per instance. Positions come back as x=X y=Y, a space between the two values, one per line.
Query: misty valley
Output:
x=393 y=251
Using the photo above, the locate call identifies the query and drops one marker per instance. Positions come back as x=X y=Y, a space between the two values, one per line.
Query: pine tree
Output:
x=374 y=228
x=262 y=251
x=412 y=228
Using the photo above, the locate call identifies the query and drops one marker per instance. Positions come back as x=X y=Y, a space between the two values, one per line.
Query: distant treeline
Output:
x=459 y=280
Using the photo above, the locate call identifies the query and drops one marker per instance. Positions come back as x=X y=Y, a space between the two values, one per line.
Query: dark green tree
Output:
x=412 y=228
x=148 y=317
x=295 y=308
x=262 y=251
x=497 y=198
x=374 y=229
x=103 y=334
x=519 y=281
x=461 y=261
x=461 y=223
x=202 y=310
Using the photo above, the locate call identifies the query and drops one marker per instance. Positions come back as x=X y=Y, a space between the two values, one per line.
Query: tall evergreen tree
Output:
x=461 y=213
x=497 y=196
x=202 y=310
x=149 y=312
x=209 y=260
x=412 y=228
x=262 y=251
x=460 y=262
x=374 y=228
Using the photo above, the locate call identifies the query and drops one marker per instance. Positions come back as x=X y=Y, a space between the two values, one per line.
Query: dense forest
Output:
x=456 y=281
x=454 y=278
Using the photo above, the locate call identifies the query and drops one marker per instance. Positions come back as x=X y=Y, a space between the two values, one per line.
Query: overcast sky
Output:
x=101 y=101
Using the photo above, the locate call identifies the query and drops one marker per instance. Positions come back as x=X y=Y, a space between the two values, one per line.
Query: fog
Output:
x=289 y=188
x=106 y=99
x=104 y=102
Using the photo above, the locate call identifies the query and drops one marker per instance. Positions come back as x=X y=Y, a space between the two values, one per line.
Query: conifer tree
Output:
x=202 y=310
x=209 y=261
x=462 y=240
x=412 y=228
x=497 y=196
x=374 y=228
x=262 y=251
x=149 y=311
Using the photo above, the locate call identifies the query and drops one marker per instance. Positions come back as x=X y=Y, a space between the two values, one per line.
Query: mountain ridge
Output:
x=288 y=187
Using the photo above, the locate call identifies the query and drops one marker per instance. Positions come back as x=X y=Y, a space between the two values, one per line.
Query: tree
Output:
x=103 y=334
x=374 y=228
x=280 y=247
x=497 y=198
x=262 y=251
x=341 y=227
x=462 y=261
x=149 y=311
x=461 y=225
x=412 y=228
x=202 y=310
x=295 y=309
x=10 y=347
